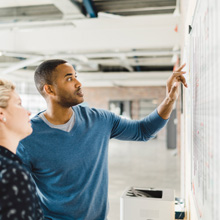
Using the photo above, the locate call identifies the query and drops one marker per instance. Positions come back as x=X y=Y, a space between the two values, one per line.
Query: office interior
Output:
x=123 y=51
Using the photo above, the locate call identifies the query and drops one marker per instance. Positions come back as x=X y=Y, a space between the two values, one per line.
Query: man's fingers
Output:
x=181 y=67
x=179 y=77
x=176 y=73
x=176 y=76
x=182 y=79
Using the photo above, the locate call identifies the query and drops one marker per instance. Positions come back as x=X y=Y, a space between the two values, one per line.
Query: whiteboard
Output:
x=204 y=108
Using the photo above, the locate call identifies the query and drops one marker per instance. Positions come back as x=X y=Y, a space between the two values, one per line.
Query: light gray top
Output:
x=65 y=127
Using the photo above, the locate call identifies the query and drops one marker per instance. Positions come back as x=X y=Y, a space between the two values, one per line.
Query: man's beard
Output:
x=67 y=103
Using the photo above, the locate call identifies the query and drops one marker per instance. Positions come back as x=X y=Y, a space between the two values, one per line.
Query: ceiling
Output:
x=109 y=42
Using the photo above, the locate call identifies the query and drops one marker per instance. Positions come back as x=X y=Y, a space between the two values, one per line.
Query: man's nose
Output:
x=78 y=83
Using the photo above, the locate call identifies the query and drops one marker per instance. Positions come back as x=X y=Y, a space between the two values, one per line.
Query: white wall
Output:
x=187 y=11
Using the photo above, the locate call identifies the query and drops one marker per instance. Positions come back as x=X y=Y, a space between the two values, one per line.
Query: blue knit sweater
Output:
x=70 y=169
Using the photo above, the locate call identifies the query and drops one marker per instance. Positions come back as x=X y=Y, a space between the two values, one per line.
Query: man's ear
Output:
x=48 y=89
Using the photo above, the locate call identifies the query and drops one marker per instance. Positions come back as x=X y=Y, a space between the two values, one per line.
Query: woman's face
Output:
x=17 y=117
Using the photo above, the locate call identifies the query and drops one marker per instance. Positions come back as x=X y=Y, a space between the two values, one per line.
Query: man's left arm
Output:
x=145 y=129
x=165 y=108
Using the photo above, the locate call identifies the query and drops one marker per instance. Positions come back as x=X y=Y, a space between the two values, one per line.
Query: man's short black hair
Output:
x=44 y=73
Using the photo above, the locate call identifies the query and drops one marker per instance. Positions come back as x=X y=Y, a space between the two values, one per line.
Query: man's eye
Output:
x=69 y=79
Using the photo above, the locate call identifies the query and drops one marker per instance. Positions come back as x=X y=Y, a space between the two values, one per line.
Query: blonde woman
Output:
x=18 y=198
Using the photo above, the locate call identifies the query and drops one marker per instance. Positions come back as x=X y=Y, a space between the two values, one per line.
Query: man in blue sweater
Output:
x=67 y=153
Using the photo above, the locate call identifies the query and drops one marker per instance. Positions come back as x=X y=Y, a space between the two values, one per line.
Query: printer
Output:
x=147 y=204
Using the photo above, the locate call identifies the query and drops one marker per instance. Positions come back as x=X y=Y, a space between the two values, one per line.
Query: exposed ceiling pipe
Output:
x=20 y=3
x=116 y=54
x=69 y=9
x=177 y=9
x=107 y=15
x=142 y=9
x=89 y=6
x=83 y=57
x=36 y=24
x=124 y=63
x=120 y=54
x=131 y=54
x=84 y=61
x=175 y=50
x=19 y=54
x=22 y=64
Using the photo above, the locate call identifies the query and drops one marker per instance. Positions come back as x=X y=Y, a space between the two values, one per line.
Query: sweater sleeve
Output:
x=23 y=155
x=137 y=130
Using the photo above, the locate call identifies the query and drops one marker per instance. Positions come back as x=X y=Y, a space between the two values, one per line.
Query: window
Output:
x=146 y=107
x=122 y=108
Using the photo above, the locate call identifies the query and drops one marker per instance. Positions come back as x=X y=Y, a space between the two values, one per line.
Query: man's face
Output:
x=67 y=89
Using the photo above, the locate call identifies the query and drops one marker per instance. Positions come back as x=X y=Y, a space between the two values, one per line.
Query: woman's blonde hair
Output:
x=6 y=87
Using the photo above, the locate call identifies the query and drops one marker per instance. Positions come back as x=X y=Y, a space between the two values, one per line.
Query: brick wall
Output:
x=99 y=97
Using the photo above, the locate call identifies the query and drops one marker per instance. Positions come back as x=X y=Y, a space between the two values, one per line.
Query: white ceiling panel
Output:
x=94 y=34
x=128 y=36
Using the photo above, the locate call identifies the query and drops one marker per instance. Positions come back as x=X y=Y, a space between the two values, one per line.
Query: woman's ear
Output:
x=48 y=89
x=2 y=115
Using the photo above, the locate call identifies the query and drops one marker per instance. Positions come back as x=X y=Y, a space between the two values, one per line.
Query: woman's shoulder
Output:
x=13 y=172
x=18 y=193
